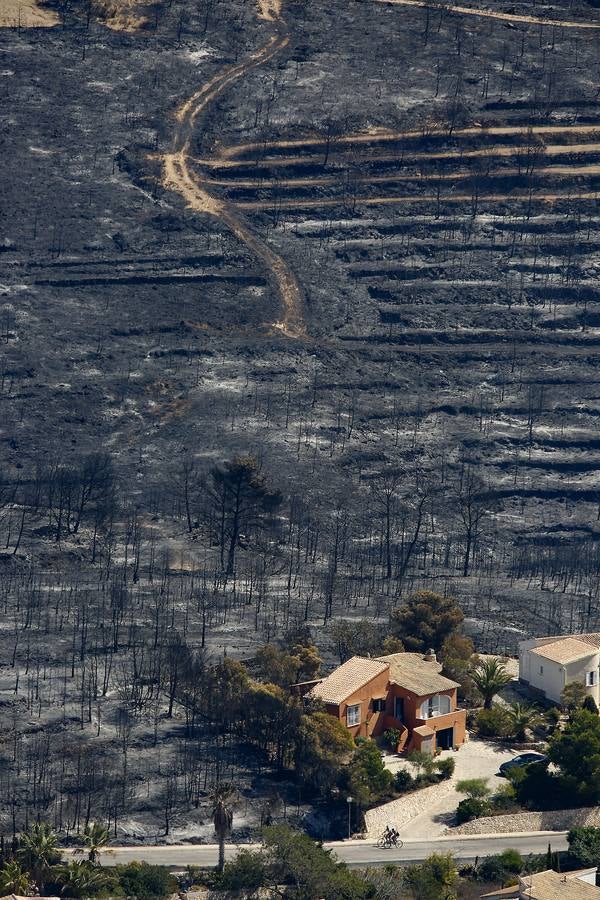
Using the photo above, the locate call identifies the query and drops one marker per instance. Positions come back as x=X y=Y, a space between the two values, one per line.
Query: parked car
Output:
x=523 y=759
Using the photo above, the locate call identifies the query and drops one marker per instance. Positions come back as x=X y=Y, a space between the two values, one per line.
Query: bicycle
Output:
x=386 y=841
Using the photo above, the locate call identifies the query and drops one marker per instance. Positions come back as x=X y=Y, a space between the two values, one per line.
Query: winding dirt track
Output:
x=178 y=177
x=195 y=188
x=489 y=14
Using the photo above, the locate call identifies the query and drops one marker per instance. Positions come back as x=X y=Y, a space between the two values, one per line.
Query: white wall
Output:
x=576 y=671
x=589 y=877
x=551 y=680
x=555 y=675
x=525 y=660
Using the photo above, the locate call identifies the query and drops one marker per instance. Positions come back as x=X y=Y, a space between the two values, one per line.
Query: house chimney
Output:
x=430 y=655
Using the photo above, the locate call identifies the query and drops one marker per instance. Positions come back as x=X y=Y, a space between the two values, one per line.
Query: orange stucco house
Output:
x=403 y=691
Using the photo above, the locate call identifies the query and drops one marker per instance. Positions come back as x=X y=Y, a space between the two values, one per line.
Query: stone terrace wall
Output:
x=551 y=820
x=399 y=812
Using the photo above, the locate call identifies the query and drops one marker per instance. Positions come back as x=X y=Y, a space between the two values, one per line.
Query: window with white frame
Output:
x=435 y=706
x=591 y=677
x=353 y=715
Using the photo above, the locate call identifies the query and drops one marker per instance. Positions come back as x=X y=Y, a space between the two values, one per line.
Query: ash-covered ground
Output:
x=373 y=267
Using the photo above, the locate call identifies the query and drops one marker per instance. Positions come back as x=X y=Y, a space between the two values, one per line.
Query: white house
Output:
x=547 y=664
x=549 y=885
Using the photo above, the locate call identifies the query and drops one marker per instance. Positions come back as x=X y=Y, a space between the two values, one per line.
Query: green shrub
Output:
x=590 y=704
x=505 y=798
x=146 y=882
x=516 y=776
x=584 y=845
x=468 y=870
x=512 y=861
x=470 y=809
x=494 y=722
x=491 y=869
x=552 y=718
x=423 y=762
x=434 y=878
x=474 y=788
x=403 y=780
x=502 y=867
x=446 y=767
x=576 y=752
x=392 y=737
x=368 y=779
x=537 y=788
x=248 y=871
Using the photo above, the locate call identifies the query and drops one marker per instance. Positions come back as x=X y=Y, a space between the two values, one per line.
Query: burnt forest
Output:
x=299 y=315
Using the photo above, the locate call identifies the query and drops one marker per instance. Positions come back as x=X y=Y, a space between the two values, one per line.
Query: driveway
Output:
x=434 y=809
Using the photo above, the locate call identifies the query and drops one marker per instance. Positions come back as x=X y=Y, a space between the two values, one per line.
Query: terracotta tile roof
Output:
x=347 y=679
x=417 y=675
x=564 y=650
x=588 y=637
x=592 y=638
x=511 y=893
x=424 y=730
x=555 y=886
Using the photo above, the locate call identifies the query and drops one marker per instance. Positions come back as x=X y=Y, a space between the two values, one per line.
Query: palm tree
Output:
x=94 y=837
x=223 y=799
x=81 y=879
x=523 y=717
x=489 y=676
x=38 y=852
x=15 y=880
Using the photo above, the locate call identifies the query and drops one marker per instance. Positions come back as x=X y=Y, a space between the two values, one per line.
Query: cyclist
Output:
x=387 y=836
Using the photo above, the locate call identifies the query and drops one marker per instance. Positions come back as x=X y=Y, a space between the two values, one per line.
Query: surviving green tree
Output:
x=426 y=620
x=489 y=677
x=576 y=752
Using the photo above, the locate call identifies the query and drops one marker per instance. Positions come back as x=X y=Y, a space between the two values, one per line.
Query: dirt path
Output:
x=26 y=14
x=195 y=188
x=232 y=153
x=489 y=14
x=178 y=177
x=329 y=181
x=485 y=153
x=292 y=204
x=270 y=10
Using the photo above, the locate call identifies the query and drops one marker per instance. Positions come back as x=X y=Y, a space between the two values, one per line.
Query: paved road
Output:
x=355 y=853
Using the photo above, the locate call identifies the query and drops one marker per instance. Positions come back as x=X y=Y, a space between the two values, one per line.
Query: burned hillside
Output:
x=354 y=243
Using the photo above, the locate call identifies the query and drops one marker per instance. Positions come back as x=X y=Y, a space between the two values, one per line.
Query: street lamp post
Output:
x=349 y=802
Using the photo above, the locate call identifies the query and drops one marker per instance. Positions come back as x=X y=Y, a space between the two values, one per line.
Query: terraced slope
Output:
x=353 y=238
x=452 y=260
x=359 y=241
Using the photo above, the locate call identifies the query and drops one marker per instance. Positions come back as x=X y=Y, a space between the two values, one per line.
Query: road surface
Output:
x=354 y=853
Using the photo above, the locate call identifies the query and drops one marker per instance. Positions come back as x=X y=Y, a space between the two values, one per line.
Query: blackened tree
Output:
x=243 y=505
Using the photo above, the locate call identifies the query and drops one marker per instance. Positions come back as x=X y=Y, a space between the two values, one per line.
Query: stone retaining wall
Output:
x=552 y=820
x=400 y=812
